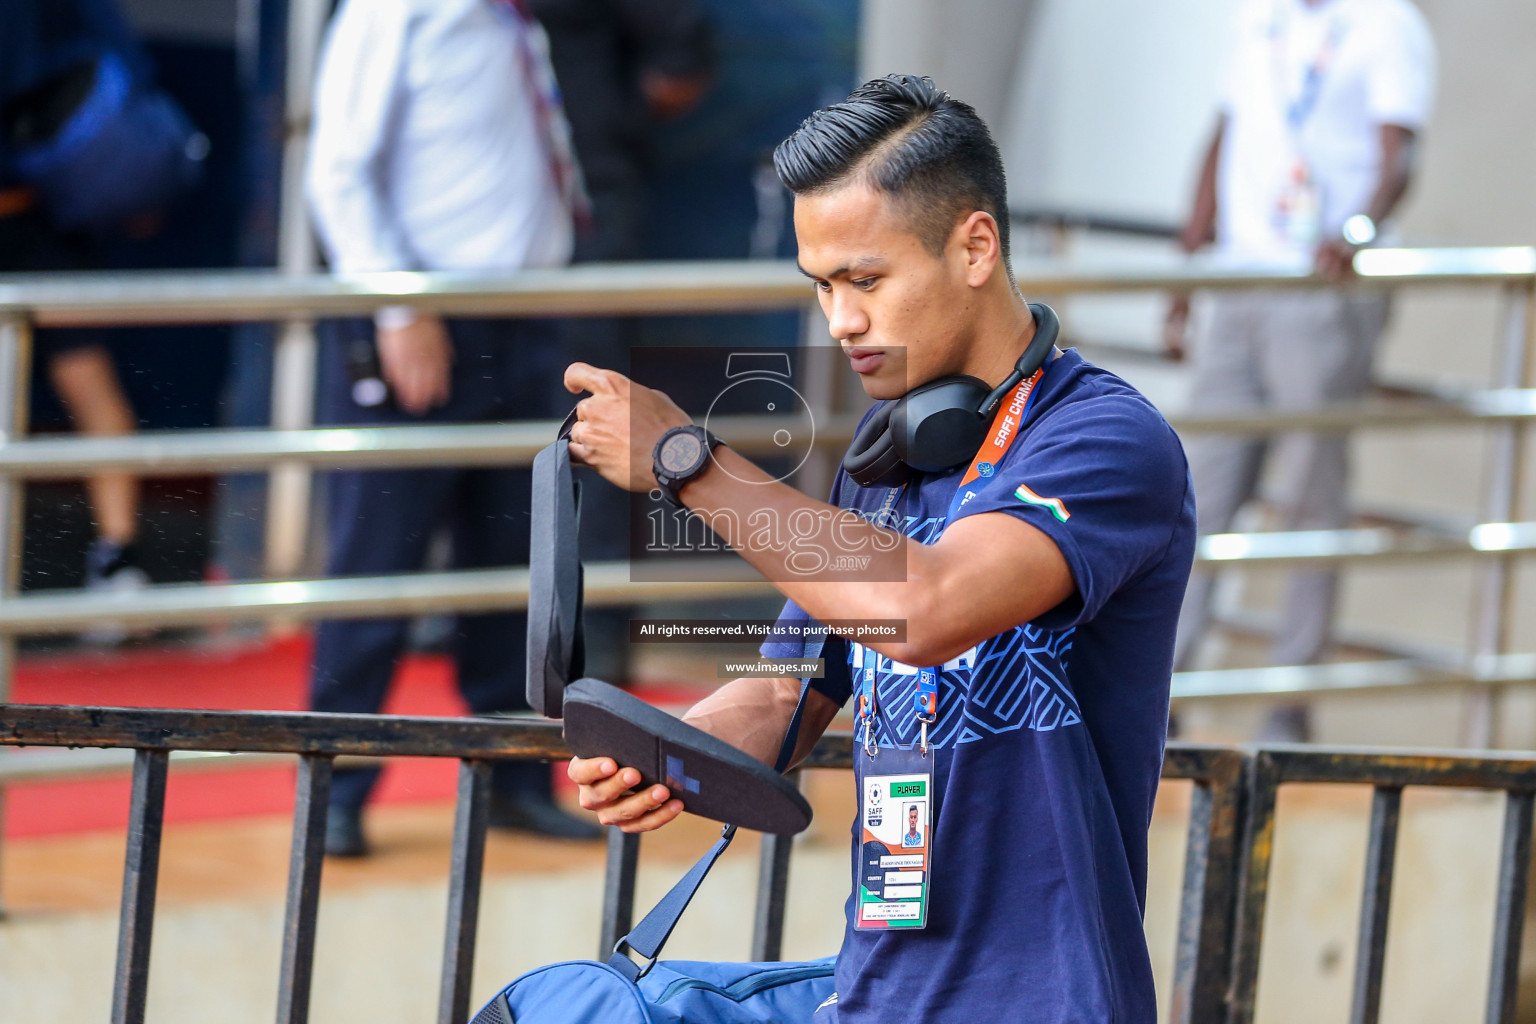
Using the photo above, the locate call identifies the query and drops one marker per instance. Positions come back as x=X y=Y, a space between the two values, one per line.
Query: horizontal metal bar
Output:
x=1363 y=543
x=610 y=583
x=515 y=444
x=62 y=300
x=222 y=451
x=607 y=584
x=44 y=725
x=1353 y=676
x=1340 y=677
x=1502 y=405
x=1384 y=766
x=16 y=766
x=286 y=732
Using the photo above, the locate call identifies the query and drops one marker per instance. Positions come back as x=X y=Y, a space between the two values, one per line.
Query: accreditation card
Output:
x=895 y=852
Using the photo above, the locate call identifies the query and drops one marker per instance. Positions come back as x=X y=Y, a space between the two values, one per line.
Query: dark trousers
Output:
x=382 y=521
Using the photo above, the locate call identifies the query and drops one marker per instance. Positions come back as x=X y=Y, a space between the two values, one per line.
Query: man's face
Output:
x=900 y=313
x=912 y=820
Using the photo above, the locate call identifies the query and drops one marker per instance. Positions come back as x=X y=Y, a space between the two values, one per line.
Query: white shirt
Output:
x=427 y=152
x=1373 y=63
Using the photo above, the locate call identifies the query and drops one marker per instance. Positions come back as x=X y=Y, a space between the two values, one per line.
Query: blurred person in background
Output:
x=624 y=67
x=439 y=144
x=711 y=189
x=89 y=149
x=1323 y=104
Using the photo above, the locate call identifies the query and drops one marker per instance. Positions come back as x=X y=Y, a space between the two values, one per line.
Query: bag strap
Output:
x=647 y=937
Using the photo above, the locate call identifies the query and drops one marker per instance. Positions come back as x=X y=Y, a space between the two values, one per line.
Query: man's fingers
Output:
x=655 y=819
x=599 y=794
x=586 y=770
x=635 y=807
x=581 y=377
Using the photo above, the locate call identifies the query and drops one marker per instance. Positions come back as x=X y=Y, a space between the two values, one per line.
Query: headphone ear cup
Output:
x=938 y=427
x=871 y=459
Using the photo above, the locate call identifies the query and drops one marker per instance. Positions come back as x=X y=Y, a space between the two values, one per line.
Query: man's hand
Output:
x=416 y=359
x=617 y=427
x=606 y=788
x=1335 y=260
x=1176 y=327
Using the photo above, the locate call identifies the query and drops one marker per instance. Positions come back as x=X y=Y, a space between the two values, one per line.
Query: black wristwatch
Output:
x=680 y=455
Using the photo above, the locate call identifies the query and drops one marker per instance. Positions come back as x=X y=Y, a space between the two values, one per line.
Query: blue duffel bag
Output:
x=634 y=987
x=674 y=992
x=623 y=991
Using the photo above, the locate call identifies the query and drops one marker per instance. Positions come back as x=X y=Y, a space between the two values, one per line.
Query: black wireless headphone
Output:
x=941 y=424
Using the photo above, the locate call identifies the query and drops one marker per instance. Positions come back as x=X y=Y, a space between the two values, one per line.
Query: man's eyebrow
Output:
x=862 y=263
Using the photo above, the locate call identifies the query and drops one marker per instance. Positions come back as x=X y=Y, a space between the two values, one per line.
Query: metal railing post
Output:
x=15 y=385
x=294 y=356
x=1494 y=596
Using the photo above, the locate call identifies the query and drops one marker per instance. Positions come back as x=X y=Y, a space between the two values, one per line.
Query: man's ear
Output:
x=981 y=245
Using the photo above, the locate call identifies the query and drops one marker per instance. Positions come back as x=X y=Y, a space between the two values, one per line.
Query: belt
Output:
x=16 y=201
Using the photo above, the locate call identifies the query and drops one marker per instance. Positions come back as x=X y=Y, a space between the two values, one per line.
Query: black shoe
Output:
x=344 y=832
x=541 y=817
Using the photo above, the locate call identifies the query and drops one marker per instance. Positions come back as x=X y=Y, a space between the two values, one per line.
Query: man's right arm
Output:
x=1200 y=229
x=751 y=714
x=357 y=101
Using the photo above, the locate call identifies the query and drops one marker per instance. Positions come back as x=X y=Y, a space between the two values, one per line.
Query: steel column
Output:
x=466 y=869
x=141 y=874
x=618 y=890
x=1509 y=919
x=1375 y=903
x=15 y=390
x=304 y=862
x=1495 y=596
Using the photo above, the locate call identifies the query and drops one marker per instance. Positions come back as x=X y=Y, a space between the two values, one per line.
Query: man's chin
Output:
x=881 y=389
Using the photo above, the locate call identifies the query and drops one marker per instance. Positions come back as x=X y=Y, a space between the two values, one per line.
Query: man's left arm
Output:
x=1335 y=257
x=1399 y=88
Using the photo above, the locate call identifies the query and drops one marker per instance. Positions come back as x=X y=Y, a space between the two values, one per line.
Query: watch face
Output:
x=681 y=453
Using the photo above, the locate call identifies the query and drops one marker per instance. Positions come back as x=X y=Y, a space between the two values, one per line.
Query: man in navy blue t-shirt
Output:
x=1023 y=711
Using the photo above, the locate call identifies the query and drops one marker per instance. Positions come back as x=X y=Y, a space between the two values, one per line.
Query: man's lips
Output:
x=864 y=360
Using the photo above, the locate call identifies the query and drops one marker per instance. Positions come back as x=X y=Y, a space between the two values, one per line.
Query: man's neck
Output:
x=1003 y=331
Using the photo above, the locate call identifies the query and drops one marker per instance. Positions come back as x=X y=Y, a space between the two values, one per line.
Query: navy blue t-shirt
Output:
x=1049 y=737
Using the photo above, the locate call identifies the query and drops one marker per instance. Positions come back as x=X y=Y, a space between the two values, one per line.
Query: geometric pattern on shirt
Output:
x=1016 y=680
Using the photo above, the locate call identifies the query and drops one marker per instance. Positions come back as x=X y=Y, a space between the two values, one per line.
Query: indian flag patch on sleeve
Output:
x=1054 y=505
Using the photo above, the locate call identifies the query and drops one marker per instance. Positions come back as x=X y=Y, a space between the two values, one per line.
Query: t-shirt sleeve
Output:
x=787 y=639
x=1231 y=85
x=1400 y=80
x=1106 y=480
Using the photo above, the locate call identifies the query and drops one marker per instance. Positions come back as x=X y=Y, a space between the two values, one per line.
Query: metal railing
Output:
x=1387 y=772
x=1225 y=887
x=1505 y=409
x=636 y=289
x=1206 y=909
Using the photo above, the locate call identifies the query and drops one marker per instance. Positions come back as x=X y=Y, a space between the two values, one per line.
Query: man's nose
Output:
x=846 y=318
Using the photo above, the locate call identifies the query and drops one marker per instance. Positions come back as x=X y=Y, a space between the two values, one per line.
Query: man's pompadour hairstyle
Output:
x=903 y=136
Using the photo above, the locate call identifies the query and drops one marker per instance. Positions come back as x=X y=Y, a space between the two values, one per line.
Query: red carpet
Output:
x=271 y=677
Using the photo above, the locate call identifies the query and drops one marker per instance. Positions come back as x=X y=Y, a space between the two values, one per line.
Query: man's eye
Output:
x=823 y=286
x=864 y=283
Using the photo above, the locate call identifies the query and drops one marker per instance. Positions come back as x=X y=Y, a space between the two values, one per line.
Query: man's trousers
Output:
x=382 y=522
x=1279 y=350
